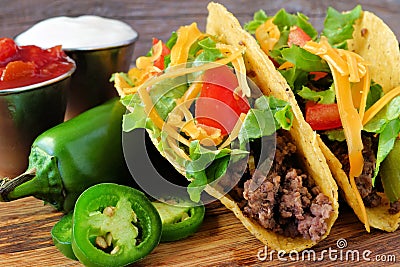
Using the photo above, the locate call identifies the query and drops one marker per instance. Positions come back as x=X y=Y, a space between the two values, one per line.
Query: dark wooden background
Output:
x=153 y=18
x=222 y=241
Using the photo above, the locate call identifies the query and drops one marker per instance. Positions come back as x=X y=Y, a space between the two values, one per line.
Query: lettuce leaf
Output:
x=386 y=143
x=387 y=124
x=295 y=77
x=207 y=165
x=137 y=117
x=304 y=63
x=390 y=112
x=172 y=40
x=257 y=122
x=338 y=26
x=304 y=60
x=335 y=135
x=258 y=18
x=164 y=94
x=210 y=52
x=375 y=93
x=322 y=97
x=285 y=20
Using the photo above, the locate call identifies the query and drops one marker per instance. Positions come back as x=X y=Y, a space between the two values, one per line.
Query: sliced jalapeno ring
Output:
x=179 y=221
x=114 y=225
x=61 y=234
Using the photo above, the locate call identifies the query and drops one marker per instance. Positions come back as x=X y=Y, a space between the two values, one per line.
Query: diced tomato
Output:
x=34 y=54
x=17 y=70
x=56 y=52
x=298 y=37
x=159 y=62
x=218 y=106
x=8 y=50
x=323 y=116
x=25 y=65
x=318 y=75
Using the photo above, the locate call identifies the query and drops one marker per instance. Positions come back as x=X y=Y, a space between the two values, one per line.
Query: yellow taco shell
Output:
x=376 y=43
x=223 y=24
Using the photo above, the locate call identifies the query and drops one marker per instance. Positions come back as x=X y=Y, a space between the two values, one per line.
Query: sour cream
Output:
x=78 y=33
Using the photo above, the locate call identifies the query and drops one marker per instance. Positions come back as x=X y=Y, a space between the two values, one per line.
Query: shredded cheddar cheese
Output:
x=190 y=94
x=286 y=65
x=144 y=62
x=172 y=143
x=238 y=65
x=187 y=35
x=202 y=133
x=235 y=131
x=366 y=84
x=267 y=35
x=348 y=67
x=383 y=101
x=180 y=125
x=345 y=69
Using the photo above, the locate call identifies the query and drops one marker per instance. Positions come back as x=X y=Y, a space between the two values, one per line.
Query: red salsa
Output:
x=26 y=65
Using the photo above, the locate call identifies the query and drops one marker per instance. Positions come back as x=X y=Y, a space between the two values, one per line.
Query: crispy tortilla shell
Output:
x=223 y=24
x=378 y=217
x=376 y=43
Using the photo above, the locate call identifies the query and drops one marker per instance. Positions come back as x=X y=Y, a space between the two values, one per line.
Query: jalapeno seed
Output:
x=101 y=242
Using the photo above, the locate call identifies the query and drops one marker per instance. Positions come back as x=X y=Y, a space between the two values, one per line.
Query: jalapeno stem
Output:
x=7 y=186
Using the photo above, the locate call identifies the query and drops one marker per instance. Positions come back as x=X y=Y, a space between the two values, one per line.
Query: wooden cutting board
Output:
x=221 y=241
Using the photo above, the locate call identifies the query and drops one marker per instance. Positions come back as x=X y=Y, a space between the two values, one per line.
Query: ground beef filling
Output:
x=368 y=193
x=394 y=207
x=286 y=200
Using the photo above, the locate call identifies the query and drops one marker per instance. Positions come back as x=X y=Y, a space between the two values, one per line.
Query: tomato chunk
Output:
x=218 y=106
x=159 y=62
x=323 y=116
x=30 y=64
x=8 y=50
x=17 y=70
x=298 y=37
x=317 y=75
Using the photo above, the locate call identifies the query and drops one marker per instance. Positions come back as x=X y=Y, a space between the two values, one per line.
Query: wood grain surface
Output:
x=221 y=241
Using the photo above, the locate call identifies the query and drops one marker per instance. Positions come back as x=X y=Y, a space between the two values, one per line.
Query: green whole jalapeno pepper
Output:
x=114 y=225
x=72 y=156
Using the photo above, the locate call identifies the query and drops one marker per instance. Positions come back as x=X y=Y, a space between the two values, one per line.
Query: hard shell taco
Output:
x=192 y=96
x=346 y=82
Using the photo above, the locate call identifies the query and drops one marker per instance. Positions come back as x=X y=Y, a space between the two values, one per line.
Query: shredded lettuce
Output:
x=209 y=52
x=172 y=40
x=387 y=124
x=164 y=93
x=335 y=135
x=124 y=76
x=386 y=143
x=285 y=20
x=259 y=18
x=206 y=166
x=338 y=26
x=323 y=97
x=257 y=122
x=375 y=93
x=304 y=62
